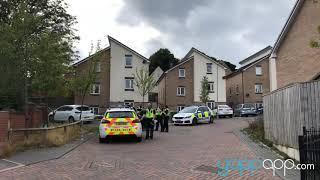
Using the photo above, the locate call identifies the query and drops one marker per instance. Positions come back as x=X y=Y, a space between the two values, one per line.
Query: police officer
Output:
x=158 y=118
x=166 y=117
x=149 y=121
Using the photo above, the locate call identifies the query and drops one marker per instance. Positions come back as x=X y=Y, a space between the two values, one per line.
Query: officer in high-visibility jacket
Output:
x=158 y=119
x=149 y=121
x=166 y=117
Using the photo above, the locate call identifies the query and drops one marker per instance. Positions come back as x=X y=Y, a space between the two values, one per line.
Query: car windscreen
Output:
x=83 y=108
x=223 y=106
x=120 y=114
x=189 y=110
x=248 y=106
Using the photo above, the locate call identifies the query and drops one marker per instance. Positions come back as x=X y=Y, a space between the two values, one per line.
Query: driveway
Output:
x=186 y=152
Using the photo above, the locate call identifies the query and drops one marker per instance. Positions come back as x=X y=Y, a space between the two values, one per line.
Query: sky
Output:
x=226 y=29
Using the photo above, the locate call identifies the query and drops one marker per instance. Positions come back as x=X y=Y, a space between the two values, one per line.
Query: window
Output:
x=128 y=61
x=237 y=89
x=209 y=68
x=129 y=103
x=95 y=109
x=95 y=89
x=181 y=91
x=258 y=88
x=129 y=84
x=83 y=108
x=211 y=87
x=65 y=108
x=182 y=73
x=180 y=107
x=211 y=104
x=98 y=67
x=258 y=70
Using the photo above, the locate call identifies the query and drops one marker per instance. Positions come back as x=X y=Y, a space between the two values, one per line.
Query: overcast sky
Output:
x=226 y=29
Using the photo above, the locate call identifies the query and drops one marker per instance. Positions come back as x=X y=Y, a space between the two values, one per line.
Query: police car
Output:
x=120 y=122
x=193 y=115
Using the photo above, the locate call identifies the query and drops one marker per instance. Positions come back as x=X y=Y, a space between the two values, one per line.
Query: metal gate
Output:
x=309 y=147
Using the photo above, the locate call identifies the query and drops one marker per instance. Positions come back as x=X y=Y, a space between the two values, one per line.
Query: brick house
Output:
x=293 y=59
x=248 y=83
x=180 y=86
x=115 y=77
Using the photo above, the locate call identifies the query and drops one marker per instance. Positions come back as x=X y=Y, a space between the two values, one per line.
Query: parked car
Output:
x=245 y=110
x=259 y=110
x=120 y=122
x=71 y=113
x=224 y=111
x=193 y=115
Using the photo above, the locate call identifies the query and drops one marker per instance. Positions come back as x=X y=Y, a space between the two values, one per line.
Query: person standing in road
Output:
x=166 y=115
x=149 y=121
x=158 y=119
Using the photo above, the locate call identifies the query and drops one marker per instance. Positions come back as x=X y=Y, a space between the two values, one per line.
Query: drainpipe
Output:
x=242 y=88
x=217 y=84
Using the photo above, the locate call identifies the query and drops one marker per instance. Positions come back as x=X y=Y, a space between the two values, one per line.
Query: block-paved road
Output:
x=168 y=156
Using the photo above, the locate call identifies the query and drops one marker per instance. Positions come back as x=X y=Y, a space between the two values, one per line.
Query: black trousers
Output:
x=159 y=122
x=165 y=126
x=149 y=128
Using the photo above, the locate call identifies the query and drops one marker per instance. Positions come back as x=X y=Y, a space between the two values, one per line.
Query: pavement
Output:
x=186 y=152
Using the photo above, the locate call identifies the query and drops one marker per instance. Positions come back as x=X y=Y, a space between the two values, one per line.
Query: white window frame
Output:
x=258 y=70
x=180 y=107
x=131 y=84
x=182 y=73
x=211 y=104
x=179 y=91
x=258 y=88
x=211 y=87
x=125 y=60
x=93 y=109
x=209 y=65
x=93 y=89
x=98 y=67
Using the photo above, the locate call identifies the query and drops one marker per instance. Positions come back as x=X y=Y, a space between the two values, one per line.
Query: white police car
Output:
x=193 y=115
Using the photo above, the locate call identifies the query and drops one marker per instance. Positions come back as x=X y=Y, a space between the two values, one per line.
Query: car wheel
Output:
x=194 y=122
x=71 y=119
x=139 y=139
x=51 y=118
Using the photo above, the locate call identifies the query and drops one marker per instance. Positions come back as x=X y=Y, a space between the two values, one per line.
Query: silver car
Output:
x=71 y=113
x=245 y=110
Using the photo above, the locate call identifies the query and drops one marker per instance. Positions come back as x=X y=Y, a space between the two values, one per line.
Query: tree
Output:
x=144 y=82
x=83 y=80
x=204 y=94
x=316 y=43
x=163 y=58
x=36 y=47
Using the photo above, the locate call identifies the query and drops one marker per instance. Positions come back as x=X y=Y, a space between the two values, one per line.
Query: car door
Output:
x=199 y=114
x=206 y=114
x=58 y=115
x=67 y=113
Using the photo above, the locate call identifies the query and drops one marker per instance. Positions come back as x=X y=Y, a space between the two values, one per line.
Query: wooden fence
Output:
x=287 y=110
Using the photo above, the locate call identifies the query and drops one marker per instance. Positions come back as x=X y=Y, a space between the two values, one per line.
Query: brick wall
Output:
x=296 y=60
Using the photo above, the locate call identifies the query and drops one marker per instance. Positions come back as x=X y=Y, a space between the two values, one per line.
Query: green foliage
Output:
x=36 y=45
x=316 y=43
x=204 y=94
x=144 y=82
x=163 y=58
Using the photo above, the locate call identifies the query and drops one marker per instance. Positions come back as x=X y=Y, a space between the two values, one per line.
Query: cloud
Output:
x=231 y=29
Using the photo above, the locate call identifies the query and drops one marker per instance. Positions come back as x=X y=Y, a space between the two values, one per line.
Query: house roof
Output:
x=292 y=17
x=257 y=54
x=146 y=60
x=87 y=58
x=129 y=49
x=219 y=63
x=179 y=64
x=156 y=70
x=244 y=68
